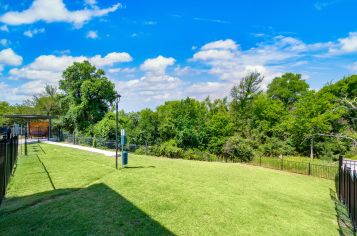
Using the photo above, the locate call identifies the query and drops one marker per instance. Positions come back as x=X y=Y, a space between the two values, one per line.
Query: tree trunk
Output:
x=312 y=148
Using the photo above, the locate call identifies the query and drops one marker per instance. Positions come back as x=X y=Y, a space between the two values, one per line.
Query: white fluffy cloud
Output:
x=50 y=67
x=154 y=87
x=9 y=57
x=55 y=11
x=221 y=44
x=157 y=65
x=344 y=45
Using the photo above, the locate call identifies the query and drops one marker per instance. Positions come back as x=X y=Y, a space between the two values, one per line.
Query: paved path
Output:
x=89 y=149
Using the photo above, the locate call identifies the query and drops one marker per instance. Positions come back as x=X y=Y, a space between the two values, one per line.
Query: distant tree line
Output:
x=288 y=118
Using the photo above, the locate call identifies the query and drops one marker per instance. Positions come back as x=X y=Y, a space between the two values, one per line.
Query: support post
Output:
x=116 y=133
x=340 y=162
x=146 y=148
x=49 y=129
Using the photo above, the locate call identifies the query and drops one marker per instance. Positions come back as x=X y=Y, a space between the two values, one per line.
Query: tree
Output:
x=243 y=95
x=46 y=102
x=147 y=128
x=248 y=87
x=314 y=114
x=4 y=109
x=288 y=88
x=88 y=95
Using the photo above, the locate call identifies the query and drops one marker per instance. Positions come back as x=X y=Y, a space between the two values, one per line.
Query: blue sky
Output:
x=161 y=50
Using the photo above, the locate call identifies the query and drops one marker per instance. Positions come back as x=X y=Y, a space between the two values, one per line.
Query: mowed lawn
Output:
x=63 y=191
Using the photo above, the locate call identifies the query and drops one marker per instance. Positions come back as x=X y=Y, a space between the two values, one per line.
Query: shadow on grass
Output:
x=95 y=210
x=35 y=148
x=138 y=167
x=343 y=220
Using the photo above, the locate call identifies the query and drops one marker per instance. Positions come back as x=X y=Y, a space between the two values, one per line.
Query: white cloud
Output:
x=157 y=65
x=154 y=87
x=221 y=44
x=9 y=57
x=92 y=34
x=31 y=33
x=110 y=59
x=50 y=67
x=213 y=89
x=344 y=45
x=125 y=70
x=4 y=28
x=54 y=11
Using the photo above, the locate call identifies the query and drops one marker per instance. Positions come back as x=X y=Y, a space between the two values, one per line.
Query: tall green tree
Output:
x=243 y=95
x=88 y=95
x=287 y=88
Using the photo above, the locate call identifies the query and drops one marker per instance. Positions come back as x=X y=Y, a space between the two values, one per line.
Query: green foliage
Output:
x=238 y=149
x=275 y=147
x=88 y=95
x=106 y=127
x=288 y=88
x=170 y=149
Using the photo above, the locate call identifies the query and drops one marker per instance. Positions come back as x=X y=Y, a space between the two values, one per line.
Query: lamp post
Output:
x=117 y=99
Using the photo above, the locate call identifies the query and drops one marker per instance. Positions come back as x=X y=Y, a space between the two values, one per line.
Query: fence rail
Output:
x=306 y=168
x=8 y=158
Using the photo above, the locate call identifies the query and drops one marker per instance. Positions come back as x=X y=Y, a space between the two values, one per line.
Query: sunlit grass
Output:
x=62 y=191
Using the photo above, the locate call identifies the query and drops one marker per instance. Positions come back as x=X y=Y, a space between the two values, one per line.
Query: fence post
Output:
x=282 y=164
x=340 y=162
x=309 y=168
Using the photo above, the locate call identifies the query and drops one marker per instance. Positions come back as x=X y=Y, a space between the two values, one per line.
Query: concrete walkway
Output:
x=89 y=149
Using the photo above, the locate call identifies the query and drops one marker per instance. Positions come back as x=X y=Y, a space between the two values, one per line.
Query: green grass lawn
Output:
x=62 y=191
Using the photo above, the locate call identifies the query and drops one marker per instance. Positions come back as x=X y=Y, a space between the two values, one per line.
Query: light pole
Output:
x=117 y=99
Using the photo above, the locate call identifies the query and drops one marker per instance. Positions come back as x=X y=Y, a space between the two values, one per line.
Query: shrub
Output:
x=238 y=149
x=140 y=151
x=170 y=149
x=276 y=147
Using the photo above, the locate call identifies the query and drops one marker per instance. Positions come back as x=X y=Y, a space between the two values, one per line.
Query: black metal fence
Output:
x=8 y=157
x=347 y=187
x=327 y=171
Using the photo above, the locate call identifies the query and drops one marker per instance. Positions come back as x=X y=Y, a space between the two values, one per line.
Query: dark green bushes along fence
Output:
x=327 y=171
x=8 y=157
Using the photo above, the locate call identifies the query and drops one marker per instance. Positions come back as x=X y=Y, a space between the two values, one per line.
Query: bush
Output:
x=276 y=147
x=238 y=149
x=170 y=149
x=140 y=151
